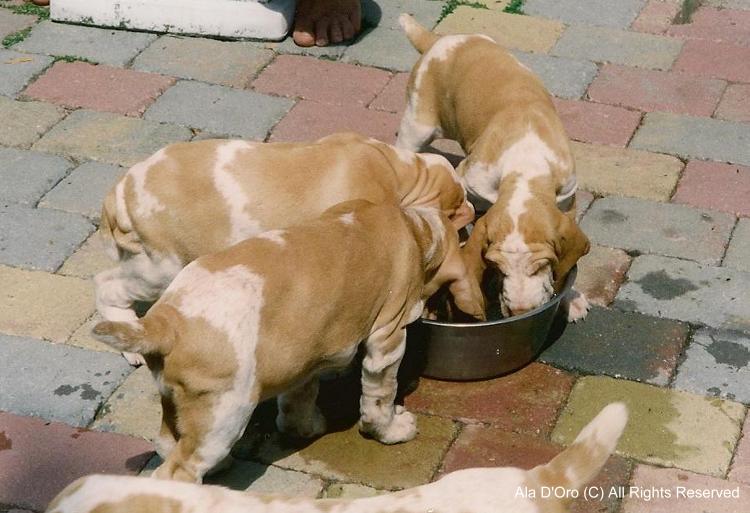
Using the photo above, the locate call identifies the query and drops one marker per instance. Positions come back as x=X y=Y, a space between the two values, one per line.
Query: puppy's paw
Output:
x=578 y=307
x=134 y=359
x=402 y=428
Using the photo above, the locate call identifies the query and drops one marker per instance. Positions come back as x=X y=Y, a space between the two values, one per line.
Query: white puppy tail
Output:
x=150 y=335
x=421 y=38
x=581 y=462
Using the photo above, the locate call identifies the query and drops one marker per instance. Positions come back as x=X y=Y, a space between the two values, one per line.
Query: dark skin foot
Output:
x=324 y=22
x=40 y=2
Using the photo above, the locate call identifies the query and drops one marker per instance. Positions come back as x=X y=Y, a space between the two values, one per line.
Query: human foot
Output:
x=321 y=22
x=40 y=2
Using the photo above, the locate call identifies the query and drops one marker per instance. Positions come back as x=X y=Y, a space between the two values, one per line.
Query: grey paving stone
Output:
x=83 y=190
x=42 y=239
x=382 y=47
x=738 y=252
x=717 y=363
x=385 y=13
x=111 y=138
x=106 y=46
x=661 y=228
x=618 y=46
x=384 y=44
x=220 y=110
x=230 y=63
x=689 y=136
x=56 y=382
x=604 y=13
x=287 y=46
x=620 y=344
x=11 y=23
x=27 y=175
x=563 y=77
x=24 y=122
x=687 y=291
x=17 y=70
x=267 y=479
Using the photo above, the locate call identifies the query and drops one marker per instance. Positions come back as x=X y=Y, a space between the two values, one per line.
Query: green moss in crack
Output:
x=16 y=37
x=514 y=7
x=28 y=8
x=72 y=58
x=452 y=5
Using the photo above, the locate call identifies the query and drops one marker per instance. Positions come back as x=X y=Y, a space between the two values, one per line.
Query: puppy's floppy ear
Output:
x=467 y=294
x=570 y=246
x=474 y=249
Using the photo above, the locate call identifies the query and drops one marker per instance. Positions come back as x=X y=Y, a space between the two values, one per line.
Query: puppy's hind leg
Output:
x=298 y=414
x=414 y=135
x=386 y=422
x=209 y=425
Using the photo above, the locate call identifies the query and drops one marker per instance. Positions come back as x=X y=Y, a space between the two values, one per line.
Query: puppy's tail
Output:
x=150 y=335
x=421 y=38
x=581 y=462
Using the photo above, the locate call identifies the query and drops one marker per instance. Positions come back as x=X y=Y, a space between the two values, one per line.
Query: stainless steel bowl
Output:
x=473 y=351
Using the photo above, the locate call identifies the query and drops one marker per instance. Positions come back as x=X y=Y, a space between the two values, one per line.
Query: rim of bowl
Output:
x=569 y=281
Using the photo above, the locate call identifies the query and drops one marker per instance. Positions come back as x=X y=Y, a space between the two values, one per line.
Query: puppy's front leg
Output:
x=576 y=306
x=298 y=413
x=380 y=418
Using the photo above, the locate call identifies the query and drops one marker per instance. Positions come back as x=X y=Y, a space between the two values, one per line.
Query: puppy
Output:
x=266 y=316
x=191 y=199
x=499 y=490
x=519 y=166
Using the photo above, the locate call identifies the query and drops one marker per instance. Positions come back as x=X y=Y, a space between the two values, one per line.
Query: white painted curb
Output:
x=221 y=18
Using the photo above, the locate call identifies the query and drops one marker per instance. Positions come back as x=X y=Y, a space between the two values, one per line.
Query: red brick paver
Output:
x=525 y=401
x=716 y=186
x=717 y=60
x=740 y=470
x=482 y=446
x=327 y=82
x=39 y=458
x=393 y=97
x=597 y=123
x=656 y=17
x=311 y=120
x=647 y=478
x=103 y=88
x=656 y=90
x=735 y=104
x=724 y=25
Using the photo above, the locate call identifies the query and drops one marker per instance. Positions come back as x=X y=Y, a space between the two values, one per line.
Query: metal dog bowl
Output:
x=481 y=350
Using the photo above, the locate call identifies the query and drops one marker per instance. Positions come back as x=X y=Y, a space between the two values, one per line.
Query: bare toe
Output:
x=321 y=31
x=303 y=32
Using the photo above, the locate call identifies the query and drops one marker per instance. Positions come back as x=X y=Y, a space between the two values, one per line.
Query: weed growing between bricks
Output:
x=36 y=10
x=452 y=5
x=514 y=7
x=72 y=58
x=16 y=37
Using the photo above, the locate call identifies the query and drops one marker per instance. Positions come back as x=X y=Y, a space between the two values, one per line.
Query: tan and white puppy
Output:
x=477 y=490
x=190 y=199
x=264 y=317
x=519 y=165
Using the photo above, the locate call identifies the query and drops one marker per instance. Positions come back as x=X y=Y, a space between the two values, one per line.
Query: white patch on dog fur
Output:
x=276 y=236
x=347 y=218
x=529 y=156
x=522 y=292
x=241 y=225
x=229 y=300
x=148 y=204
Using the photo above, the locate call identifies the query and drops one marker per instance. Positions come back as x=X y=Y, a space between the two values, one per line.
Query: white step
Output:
x=220 y=18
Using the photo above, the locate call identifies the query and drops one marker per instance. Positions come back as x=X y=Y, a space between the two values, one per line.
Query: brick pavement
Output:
x=661 y=123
